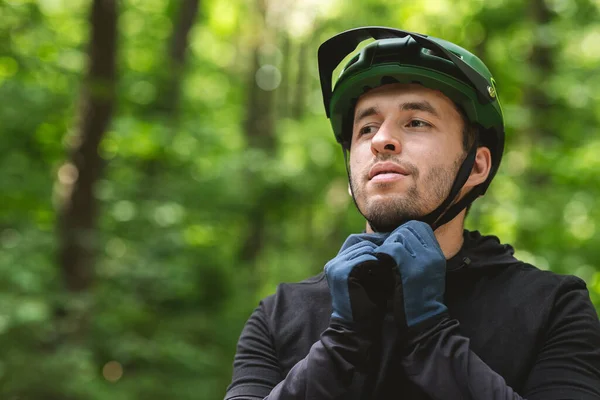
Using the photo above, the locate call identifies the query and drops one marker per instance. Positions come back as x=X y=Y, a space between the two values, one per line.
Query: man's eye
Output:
x=366 y=130
x=417 y=123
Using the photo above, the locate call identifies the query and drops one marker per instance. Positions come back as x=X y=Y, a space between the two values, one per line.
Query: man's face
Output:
x=406 y=151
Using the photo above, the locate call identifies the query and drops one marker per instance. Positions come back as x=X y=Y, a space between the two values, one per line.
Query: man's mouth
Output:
x=386 y=171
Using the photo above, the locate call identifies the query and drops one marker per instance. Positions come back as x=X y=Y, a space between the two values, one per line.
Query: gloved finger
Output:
x=395 y=237
x=423 y=233
x=357 y=259
x=422 y=240
x=375 y=238
x=364 y=247
x=350 y=241
x=344 y=264
x=398 y=233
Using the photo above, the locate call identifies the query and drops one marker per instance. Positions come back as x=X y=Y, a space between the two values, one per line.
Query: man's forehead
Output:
x=400 y=93
x=404 y=90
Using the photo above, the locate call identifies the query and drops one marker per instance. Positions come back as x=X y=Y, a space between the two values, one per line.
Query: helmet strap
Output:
x=443 y=213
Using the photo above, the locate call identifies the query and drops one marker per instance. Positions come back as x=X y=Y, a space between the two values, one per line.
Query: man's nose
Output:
x=386 y=140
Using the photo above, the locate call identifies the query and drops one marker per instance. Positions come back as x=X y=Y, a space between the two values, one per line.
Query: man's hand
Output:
x=420 y=269
x=359 y=285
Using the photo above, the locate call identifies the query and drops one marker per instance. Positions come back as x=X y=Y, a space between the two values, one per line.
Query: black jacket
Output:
x=514 y=332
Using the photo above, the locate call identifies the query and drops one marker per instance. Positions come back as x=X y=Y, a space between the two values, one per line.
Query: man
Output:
x=417 y=307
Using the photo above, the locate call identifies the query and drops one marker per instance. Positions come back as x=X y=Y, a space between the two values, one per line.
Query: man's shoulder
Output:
x=489 y=257
x=308 y=283
x=529 y=274
x=525 y=284
x=298 y=311
x=308 y=291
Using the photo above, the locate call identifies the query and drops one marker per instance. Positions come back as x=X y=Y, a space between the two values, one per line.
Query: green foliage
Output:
x=199 y=219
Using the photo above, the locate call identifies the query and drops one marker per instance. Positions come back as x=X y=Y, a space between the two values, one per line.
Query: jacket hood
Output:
x=479 y=251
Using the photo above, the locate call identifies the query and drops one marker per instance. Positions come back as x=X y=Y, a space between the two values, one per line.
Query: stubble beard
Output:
x=387 y=215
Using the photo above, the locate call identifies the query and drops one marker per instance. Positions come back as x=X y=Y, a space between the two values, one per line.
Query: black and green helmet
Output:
x=407 y=57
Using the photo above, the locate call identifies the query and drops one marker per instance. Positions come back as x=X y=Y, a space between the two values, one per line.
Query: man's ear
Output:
x=481 y=167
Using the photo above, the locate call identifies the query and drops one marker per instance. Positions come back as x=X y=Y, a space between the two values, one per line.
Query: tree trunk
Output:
x=259 y=127
x=78 y=209
x=170 y=86
x=169 y=90
x=259 y=124
x=260 y=132
x=284 y=89
x=543 y=65
x=301 y=82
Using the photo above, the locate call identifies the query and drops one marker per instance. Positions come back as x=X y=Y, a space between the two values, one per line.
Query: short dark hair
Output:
x=470 y=130
x=470 y=138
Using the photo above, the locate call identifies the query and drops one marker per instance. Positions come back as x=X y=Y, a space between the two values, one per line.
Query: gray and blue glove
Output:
x=358 y=284
x=420 y=269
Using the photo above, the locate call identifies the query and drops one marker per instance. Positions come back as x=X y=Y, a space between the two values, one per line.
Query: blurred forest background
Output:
x=165 y=163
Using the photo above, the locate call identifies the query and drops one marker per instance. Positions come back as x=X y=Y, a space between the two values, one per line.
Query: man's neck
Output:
x=449 y=235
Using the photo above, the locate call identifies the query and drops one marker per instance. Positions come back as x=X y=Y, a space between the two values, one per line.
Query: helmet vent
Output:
x=353 y=60
x=387 y=57
x=433 y=53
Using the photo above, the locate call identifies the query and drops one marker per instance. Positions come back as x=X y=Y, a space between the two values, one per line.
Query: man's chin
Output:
x=384 y=226
x=386 y=211
x=387 y=222
x=389 y=203
x=383 y=199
